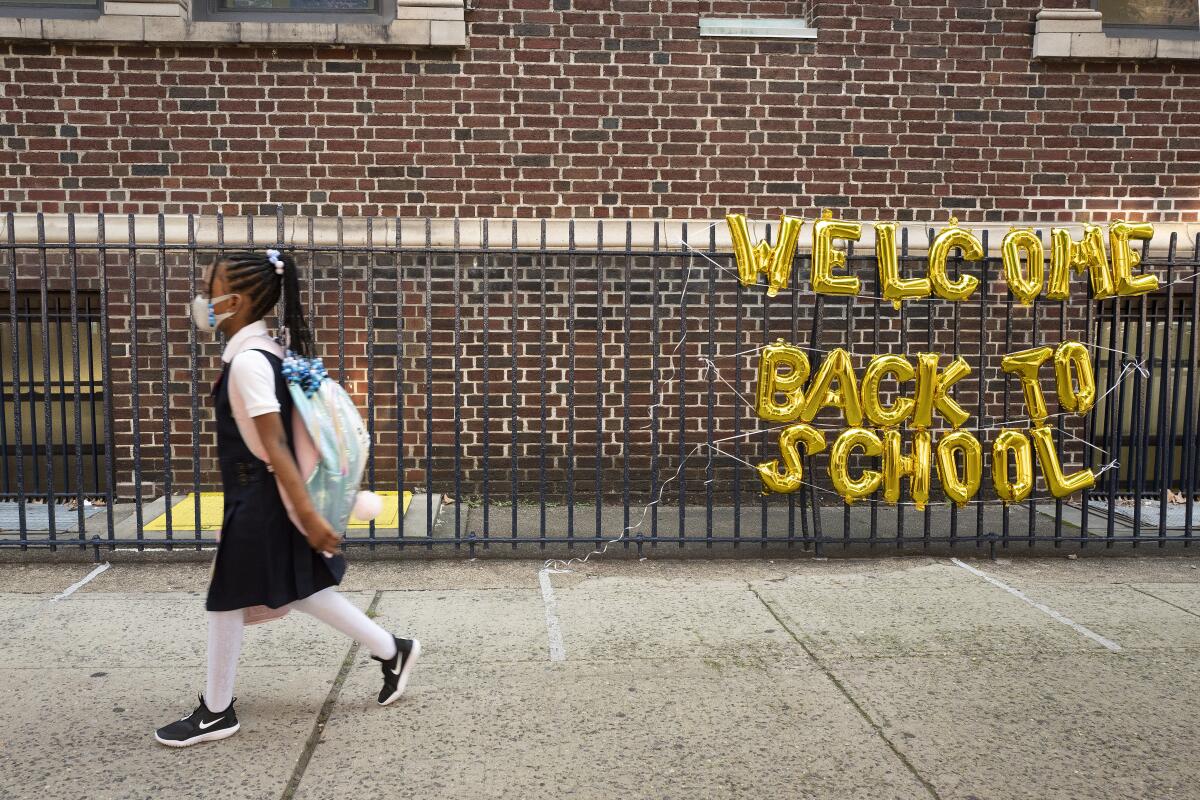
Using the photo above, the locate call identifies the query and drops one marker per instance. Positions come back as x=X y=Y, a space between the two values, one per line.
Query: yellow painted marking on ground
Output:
x=212 y=513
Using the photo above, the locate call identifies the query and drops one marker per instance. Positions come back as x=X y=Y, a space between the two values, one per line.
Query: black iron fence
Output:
x=562 y=395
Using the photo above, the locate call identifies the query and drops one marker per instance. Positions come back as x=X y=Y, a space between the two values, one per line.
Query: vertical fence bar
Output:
x=930 y=307
x=105 y=378
x=627 y=279
x=1035 y=338
x=371 y=266
x=1062 y=337
x=77 y=399
x=873 y=533
x=710 y=381
x=135 y=381
x=456 y=366
x=599 y=463
x=960 y=267
x=27 y=321
x=683 y=323
x=739 y=308
x=193 y=391
x=570 y=410
x=18 y=431
x=1111 y=418
x=1008 y=346
x=764 y=435
x=542 y=275
x=1168 y=380
x=516 y=303
x=655 y=388
x=429 y=381
x=903 y=338
x=815 y=351
x=1141 y=416
x=60 y=386
x=1188 y=423
x=851 y=300
x=487 y=377
x=91 y=314
x=401 y=383
x=47 y=406
x=981 y=369
x=794 y=303
x=164 y=375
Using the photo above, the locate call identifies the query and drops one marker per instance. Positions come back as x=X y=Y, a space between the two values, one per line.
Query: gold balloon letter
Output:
x=775 y=262
x=916 y=467
x=792 y=477
x=1077 y=400
x=839 y=464
x=1026 y=289
x=1017 y=489
x=960 y=489
x=939 y=251
x=876 y=412
x=1060 y=485
x=825 y=258
x=837 y=367
x=1124 y=258
x=932 y=391
x=771 y=383
x=1026 y=365
x=1087 y=254
x=894 y=287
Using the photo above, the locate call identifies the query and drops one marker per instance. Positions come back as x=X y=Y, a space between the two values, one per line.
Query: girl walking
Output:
x=267 y=565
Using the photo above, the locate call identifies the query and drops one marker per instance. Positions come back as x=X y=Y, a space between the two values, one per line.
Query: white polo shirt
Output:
x=252 y=375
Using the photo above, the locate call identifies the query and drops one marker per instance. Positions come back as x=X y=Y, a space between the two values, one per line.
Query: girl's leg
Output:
x=224 y=646
x=336 y=611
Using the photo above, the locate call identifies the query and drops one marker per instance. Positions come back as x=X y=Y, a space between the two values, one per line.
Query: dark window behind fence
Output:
x=538 y=396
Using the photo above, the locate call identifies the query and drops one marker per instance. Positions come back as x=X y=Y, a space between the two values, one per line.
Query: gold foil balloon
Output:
x=933 y=391
x=826 y=258
x=835 y=367
x=1026 y=365
x=1024 y=287
x=894 y=287
x=1087 y=254
x=1078 y=396
x=876 y=412
x=775 y=262
x=915 y=467
x=1125 y=259
x=839 y=464
x=1016 y=489
x=771 y=383
x=960 y=488
x=1060 y=485
x=791 y=439
x=939 y=250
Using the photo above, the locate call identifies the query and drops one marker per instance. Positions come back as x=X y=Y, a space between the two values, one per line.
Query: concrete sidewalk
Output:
x=904 y=678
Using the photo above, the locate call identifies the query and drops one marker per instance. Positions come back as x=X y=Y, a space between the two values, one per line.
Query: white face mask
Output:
x=204 y=315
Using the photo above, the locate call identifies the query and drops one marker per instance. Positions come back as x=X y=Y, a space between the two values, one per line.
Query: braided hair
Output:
x=262 y=277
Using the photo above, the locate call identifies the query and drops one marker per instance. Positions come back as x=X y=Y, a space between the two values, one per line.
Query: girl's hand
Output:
x=321 y=535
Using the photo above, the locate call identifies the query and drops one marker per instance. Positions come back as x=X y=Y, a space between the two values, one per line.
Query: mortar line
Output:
x=314 y=736
x=845 y=692
x=1161 y=600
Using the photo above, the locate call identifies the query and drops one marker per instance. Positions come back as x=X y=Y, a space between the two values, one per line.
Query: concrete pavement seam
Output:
x=314 y=737
x=845 y=692
x=1161 y=600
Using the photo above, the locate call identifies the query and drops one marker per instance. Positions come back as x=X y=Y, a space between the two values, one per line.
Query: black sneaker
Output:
x=201 y=725
x=397 y=669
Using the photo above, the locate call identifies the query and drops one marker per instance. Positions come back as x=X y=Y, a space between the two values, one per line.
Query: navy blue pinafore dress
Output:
x=262 y=559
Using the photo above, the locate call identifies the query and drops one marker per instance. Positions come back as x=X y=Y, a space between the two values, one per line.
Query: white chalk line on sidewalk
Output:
x=1050 y=612
x=553 y=631
x=70 y=590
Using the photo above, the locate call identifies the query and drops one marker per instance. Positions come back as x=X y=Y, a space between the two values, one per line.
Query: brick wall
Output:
x=585 y=108
x=577 y=108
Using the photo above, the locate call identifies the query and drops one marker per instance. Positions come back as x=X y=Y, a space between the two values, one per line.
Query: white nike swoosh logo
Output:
x=205 y=727
x=396 y=671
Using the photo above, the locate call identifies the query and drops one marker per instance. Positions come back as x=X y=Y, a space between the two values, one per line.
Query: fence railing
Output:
x=559 y=395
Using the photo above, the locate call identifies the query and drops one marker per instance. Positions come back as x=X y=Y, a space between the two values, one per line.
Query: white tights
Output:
x=225 y=639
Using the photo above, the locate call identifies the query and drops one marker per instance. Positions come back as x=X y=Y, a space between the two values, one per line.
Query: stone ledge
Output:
x=418 y=23
x=641 y=233
x=1079 y=35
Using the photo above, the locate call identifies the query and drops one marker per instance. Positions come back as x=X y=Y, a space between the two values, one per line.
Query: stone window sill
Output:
x=755 y=28
x=1078 y=35
x=418 y=23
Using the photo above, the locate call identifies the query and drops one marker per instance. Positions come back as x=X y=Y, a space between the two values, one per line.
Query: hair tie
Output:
x=273 y=257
